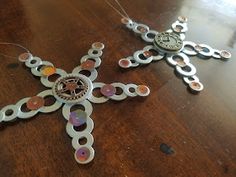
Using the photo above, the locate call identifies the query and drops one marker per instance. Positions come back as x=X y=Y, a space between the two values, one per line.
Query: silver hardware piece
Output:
x=93 y=98
x=25 y=115
x=74 y=89
x=88 y=108
x=45 y=79
x=33 y=62
x=128 y=91
x=36 y=70
x=168 y=45
x=189 y=79
x=181 y=56
x=10 y=113
x=93 y=73
x=87 y=136
x=97 y=60
x=190 y=72
x=91 y=155
x=122 y=96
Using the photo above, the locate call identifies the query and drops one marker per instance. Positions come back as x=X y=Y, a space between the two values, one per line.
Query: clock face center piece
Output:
x=168 y=42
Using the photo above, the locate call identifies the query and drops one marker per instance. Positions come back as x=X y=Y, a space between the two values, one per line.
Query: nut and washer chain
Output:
x=172 y=46
x=69 y=90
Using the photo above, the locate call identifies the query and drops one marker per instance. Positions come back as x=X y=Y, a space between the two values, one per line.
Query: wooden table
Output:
x=199 y=131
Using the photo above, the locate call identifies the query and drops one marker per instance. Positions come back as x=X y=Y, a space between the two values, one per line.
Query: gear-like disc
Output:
x=72 y=88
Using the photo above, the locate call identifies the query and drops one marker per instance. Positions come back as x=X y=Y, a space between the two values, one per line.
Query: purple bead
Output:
x=78 y=117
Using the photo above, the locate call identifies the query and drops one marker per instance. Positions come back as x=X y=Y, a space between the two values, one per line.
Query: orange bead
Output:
x=48 y=70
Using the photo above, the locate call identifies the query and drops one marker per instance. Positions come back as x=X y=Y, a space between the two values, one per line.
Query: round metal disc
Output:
x=168 y=42
x=72 y=88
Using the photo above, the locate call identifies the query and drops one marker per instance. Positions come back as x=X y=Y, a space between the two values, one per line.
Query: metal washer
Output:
x=35 y=70
x=2 y=116
x=208 y=53
x=37 y=62
x=216 y=54
x=187 y=80
x=88 y=136
x=183 y=25
x=93 y=73
x=127 y=91
x=171 y=61
x=101 y=99
x=11 y=117
x=121 y=96
x=45 y=79
x=96 y=55
x=155 y=57
x=134 y=63
x=52 y=108
x=186 y=50
x=139 y=60
x=73 y=133
x=25 y=115
x=91 y=157
x=135 y=28
x=186 y=73
x=66 y=110
x=97 y=60
x=149 y=39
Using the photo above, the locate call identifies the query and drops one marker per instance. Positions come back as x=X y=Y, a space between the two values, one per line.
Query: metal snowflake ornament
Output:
x=171 y=46
x=70 y=90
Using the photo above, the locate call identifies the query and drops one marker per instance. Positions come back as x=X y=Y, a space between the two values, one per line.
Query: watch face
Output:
x=168 y=42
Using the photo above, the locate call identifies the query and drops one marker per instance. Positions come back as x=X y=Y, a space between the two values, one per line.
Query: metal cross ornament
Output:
x=171 y=46
x=69 y=90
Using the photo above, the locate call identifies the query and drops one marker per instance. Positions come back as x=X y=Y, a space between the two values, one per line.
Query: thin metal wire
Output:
x=122 y=8
x=13 y=44
x=119 y=12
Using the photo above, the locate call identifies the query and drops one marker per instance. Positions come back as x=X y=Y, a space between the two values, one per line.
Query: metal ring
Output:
x=186 y=73
x=182 y=36
x=171 y=60
x=135 y=28
x=45 y=81
x=97 y=60
x=66 y=110
x=128 y=92
x=216 y=54
x=134 y=63
x=187 y=80
x=73 y=133
x=52 y=108
x=14 y=114
x=131 y=25
x=37 y=62
x=208 y=53
x=25 y=115
x=93 y=73
x=88 y=136
x=121 y=96
x=183 y=25
x=91 y=152
x=2 y=116
x=101 y=99
x=97 y=53
x=100 y=48
x=146 y=36
x=138 y=59
x=185 y=50
x=35 y=70
x=155 y=57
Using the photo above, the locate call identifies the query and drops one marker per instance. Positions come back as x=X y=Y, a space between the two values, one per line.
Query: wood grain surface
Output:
x=171 y=133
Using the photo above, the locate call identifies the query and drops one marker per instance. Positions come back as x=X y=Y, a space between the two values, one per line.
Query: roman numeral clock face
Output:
x=168 y=42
